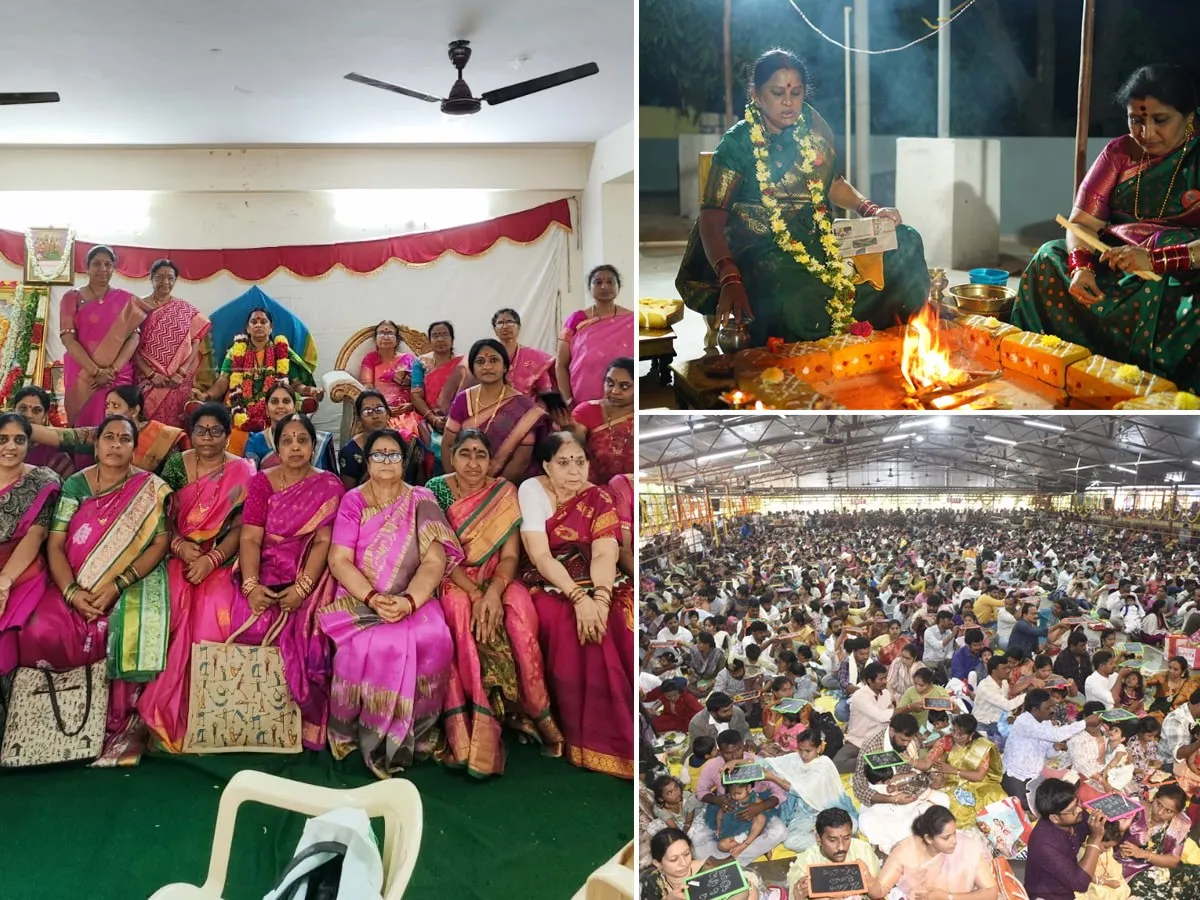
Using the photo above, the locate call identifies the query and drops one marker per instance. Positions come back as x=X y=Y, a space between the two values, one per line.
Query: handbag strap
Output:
x=337 y=848
x=87 y=701
x=272 y=633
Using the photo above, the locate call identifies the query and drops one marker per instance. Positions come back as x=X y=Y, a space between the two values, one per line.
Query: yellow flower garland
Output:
x=832 y=272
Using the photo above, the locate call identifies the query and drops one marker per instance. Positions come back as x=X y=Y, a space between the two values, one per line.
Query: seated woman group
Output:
x=404 y=613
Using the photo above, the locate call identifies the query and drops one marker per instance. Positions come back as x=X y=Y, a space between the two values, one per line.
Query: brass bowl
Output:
x=983 y=299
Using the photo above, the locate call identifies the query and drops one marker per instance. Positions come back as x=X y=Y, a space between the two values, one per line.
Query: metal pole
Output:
x=846 y=11
x=1085 y=90
x=862 y=96
x=943 y=70
x=728 y=32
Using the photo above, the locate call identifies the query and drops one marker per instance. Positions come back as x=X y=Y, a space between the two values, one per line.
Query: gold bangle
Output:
x=250 y=584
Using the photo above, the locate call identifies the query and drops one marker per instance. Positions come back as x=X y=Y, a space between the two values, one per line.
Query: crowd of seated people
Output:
x=955 y=701
x=461 y=567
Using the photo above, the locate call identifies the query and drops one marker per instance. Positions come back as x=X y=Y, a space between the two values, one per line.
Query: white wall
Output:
x=607 y=207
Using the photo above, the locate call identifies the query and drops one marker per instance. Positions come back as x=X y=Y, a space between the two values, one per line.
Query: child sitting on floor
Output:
x=704 y=748
x=673 y=804
x=732 y=834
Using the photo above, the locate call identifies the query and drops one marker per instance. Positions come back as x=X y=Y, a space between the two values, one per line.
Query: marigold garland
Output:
x=832 y=271
x=250 y=412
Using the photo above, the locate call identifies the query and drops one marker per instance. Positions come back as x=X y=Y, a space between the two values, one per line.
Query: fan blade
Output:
x=395 y=89
x=21 y=99
x=533 y=85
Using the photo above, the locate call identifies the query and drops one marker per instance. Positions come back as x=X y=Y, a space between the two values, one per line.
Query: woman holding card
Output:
x=764 y=251
x=673 y=866
x=1150 y=855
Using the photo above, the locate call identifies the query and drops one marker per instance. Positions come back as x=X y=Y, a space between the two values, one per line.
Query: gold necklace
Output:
x=1137 y=185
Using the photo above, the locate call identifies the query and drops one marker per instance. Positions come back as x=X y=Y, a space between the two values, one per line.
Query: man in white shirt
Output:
x=1031 y=740
x=1177 y=732
x=1006 y=620
x=1099 y=686
x=992 y=702
x=871 y=710
x=939 y=643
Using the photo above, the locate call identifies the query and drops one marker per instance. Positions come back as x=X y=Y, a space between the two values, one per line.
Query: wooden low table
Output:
x=694 y=389
x=658 y=346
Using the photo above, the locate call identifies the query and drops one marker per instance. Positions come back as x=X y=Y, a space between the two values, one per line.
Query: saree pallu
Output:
x=202 y=512
x=102 y=327
x=621 y=487
x=1167 y=840
x=502 y=680
x=380 y=375
x=290 y=520
x=967 y=798
x=591 y=685
x=105 y=535
x=787 y=300
x=27 y=502
x=1153 y=325
x=609 y=441
x=595 y=342
x=514 y=422
x=168 y=336
x=531 y=371
x=389 y=678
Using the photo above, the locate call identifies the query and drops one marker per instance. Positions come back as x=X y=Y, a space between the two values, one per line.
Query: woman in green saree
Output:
x=763 y=250
x=1143 y=192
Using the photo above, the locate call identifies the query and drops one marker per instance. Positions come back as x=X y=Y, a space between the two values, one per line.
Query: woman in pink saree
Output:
x=607 y=424
x=109 y=590
x=27 y=496
x=621 y=487
x=512 y=421
x=206 y=526
x=391 y=374
x=531 y=371
x=499 y=677
x=33 y=404
x=571 y=534
x=287 y=523
x=391 y=549
x=99 y=326
x=938 y=857
x=169 y=351
x=592 y=337
x=436 y=379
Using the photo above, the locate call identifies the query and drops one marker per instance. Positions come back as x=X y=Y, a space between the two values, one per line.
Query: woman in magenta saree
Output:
x=27 y=498
x=99 y=326
x=621 y=487
x=390 y=373
x=532 y=370
x=169 y=351
x=1143 y=193
x=108 y=595
x=499 y=676
x=512 y=421
x=591 y=338
x=205 y=520
x=436 y=377
x=391 y=549
x=608 y=423
x=572 y=533
x=287 y=523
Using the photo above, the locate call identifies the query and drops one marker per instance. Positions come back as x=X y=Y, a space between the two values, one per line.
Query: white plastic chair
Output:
x=615 y=880
x=396 y=801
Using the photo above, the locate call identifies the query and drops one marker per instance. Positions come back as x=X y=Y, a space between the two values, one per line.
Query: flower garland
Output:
x=251 y=413
x=832 y=271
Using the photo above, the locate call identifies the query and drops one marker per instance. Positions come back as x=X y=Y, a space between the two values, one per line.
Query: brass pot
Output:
x=732 y=337
x=983 y=299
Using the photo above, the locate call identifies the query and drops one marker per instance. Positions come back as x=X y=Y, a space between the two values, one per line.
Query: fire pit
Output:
x=935 y=363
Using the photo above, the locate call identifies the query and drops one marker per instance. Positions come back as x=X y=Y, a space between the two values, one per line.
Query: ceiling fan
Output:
x=461 y=102
x=18 y=99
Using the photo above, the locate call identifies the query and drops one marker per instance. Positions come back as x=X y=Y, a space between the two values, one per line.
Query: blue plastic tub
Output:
x=989 y=276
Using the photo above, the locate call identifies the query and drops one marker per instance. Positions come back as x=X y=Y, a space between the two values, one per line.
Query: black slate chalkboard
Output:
x=835 y=880
x=716 y=884
x=883 y=759
x=743 y=774
x=1114 y=806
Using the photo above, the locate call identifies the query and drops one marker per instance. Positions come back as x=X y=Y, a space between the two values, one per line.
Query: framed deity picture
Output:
x=49 y=256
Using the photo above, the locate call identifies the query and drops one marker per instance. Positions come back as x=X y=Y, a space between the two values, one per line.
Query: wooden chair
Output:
x=342 y=384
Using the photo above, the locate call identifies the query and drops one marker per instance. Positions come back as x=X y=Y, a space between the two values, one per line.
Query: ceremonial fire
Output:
x=924 y=362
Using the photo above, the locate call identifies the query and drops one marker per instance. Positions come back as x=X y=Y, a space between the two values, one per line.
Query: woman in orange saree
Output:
x=572 y=534
x=436 y=378
x=512 y=421
x=592 y=337
x=169 y=351
x=206 y=525
x=607 y=424
x=99 y=326
x=498 y=677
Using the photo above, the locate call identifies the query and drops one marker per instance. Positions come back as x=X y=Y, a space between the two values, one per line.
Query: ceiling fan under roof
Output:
x=461 y=102
x=24 y=99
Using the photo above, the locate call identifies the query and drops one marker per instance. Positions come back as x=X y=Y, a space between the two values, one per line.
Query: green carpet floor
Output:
x=120 y=834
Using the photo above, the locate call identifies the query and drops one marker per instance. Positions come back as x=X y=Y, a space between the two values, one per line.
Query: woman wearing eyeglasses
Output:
x=371 y=410
x=205 y=517
x=392 y=546
x=389 y=372
x=499 y=675
x=532 y=370
x=287 y=522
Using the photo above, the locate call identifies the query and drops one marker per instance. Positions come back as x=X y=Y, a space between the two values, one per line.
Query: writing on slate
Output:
x=835 y=879
x=716 y=883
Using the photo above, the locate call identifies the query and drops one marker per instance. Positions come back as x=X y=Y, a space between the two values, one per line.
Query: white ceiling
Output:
x=241 y=72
